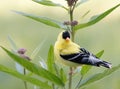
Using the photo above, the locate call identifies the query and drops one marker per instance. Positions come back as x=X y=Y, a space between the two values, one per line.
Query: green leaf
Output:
x=44 y=20
x=46 y=2
x=43 y=63
x=95 y=20
x=24 y=78
x=86 y=13
x=63 y=75
x=12 y=43
x=35 y=68
x=50 y=60
x=81 y=2
x=99 y=54
x=49 y=3
x=85 y=69
x=19 y=68
x=37 y=49
x=14 y=47
x=99 y=76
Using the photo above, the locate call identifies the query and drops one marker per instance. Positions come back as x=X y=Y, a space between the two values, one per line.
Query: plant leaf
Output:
x=97 y=19
x=44 y=20
x=86 y=13
x=35 y=68
x=85 y=69
x=63 y=75
x=24 y=78
x=46 y=2
x=19 y=68
x=99 y=76
x=49 y=3
x=94 y=17
x=37 y=49
x=81 y=2
x=50 y=60
x=43 y=63
x=12 y=43
x=99 y=54
x=14 y=47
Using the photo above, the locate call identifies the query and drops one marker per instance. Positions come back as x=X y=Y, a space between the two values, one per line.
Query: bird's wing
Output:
x=85 y=51
x=79 y=58
x=83 y=57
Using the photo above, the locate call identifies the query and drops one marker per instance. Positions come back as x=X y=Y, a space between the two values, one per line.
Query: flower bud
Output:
x=21 y=51
x=66 y=23
x=73 y=23
x=71 y=2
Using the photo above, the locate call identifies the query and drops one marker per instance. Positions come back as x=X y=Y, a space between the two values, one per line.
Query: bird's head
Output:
x=64 y=36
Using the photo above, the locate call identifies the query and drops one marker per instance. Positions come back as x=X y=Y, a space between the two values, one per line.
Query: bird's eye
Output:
x=66 y=34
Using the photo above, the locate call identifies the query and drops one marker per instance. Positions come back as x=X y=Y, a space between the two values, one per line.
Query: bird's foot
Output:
x=71 y=71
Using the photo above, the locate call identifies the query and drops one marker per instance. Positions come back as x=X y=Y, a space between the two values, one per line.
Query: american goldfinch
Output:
x=71 y=54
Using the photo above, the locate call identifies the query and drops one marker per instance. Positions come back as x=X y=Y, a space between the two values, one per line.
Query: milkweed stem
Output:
x=25 y=83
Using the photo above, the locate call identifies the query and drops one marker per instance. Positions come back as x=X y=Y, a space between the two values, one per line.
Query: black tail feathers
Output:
x=104 y=64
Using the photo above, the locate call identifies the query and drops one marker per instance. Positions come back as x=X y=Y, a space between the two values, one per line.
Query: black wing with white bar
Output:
x=85 y=57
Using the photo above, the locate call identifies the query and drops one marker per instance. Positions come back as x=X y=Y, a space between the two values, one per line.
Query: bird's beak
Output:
x=67 y=39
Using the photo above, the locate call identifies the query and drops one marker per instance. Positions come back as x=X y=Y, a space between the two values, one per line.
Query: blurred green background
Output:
x=29 y=34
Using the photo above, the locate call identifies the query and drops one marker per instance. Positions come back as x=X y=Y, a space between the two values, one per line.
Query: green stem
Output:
x=70 y=78
x=53 y=86
x=70 y=70
x=77 y=87
x=25 y=83
x=71 y=9
x=72 y=33
x=71 y=17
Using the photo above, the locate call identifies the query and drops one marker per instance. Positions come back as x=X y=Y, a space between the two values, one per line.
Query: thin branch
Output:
x=70 y=78
x=77 y=87
x=25 y=83
x=71 y=9
x=53 y=86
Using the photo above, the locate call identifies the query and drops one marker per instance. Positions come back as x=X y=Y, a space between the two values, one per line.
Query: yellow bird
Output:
x=71 y=54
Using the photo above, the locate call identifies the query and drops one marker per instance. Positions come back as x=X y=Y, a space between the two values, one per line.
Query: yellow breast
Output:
x=64 y=49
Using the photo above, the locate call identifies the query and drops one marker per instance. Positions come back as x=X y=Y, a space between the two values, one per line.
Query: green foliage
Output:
x=49 y=3
x=14 y=49
x=99 y=54
x=81 y=2
x=99 y=76
x=50 y=60
x=86 y=13
x=53 y=74
x=85 y=69
x=44 y=20
x=35 y=68
x=97 y=19
x=36 y=50
x=25 y=78
x=57 y=24
x=12 y=43
x=63 y=75
x=46 y=2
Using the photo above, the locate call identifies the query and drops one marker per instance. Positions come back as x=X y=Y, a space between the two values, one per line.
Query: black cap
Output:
x=66 y=34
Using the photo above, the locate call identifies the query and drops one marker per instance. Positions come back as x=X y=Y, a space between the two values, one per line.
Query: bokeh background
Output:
x=29 y=34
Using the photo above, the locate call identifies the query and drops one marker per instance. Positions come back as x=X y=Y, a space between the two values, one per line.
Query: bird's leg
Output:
x=71 y=71
x=70 y=78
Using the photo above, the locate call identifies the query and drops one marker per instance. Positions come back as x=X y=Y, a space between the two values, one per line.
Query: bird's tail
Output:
x=96 y=62
x=104 y=64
